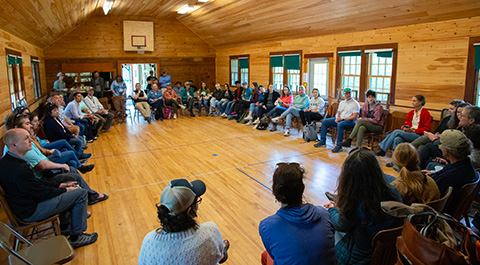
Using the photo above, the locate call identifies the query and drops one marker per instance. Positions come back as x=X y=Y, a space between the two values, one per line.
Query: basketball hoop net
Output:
x=139 y=49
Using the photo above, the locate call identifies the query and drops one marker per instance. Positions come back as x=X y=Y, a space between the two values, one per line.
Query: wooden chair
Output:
x=444 y=113
x=377 y=137
x=24 y=227
x=439 y=205
x=120 y=109
x=332 y=111
x=458 y=206
x=105 y=104
x=55 y=250
x=384 y=246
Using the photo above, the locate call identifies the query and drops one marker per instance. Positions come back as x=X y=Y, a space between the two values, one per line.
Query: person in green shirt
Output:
x=187 y=97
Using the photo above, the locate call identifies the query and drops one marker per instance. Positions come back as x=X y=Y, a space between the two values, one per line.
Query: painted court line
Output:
x=223 y=170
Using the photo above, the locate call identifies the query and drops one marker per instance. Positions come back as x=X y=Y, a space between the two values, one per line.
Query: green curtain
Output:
x=344 y=54
x=276 y=61
x=477 y=57
x=385 y=54
x=19 y=60
x=11 y=60
x=243 y=62
x=292 y=62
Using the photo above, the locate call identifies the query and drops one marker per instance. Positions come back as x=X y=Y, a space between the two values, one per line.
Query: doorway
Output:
x=318 y=74
x=133 y=73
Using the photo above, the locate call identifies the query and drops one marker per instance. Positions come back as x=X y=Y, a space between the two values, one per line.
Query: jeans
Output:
x=308 y=116
x=397 y=137
x=74 y=201
x=189 y=103
x=429 y=151
x=261 y=110
x=203 y=102
x=328 y=123
x=213 y=104
x=229 y=107
x=158 y=106
x=66 y=157
x=77 y=144
x=222 y=105
x=72 y=175
x=275 y=112
x=63 y=145
x=289 y=114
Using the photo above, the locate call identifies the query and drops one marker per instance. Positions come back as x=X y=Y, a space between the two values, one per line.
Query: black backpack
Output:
x=262 y=126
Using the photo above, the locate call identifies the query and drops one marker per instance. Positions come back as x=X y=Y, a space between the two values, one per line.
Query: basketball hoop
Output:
x=139 y=49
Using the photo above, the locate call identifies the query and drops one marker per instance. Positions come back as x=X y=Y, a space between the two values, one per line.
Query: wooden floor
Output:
x=135 y=161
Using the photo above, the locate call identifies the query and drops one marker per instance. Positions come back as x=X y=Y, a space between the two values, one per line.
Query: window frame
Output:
x=472 y=75
x=19 y=85
x=285 y=72
x=363 y=86
x=239 y=73
x=37 y=85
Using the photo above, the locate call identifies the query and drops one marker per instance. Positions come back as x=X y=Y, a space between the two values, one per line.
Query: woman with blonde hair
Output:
x=412 y=184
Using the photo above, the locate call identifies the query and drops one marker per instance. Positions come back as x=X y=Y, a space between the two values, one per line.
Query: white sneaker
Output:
x=249 y=123
x=287 y=133
x=183 y=107
x=175 y=116
x=256 y=121
x=249 y=117
x=255 y=127
x=275 y=120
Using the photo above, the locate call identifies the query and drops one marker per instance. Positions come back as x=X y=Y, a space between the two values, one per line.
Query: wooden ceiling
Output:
x=229 y=22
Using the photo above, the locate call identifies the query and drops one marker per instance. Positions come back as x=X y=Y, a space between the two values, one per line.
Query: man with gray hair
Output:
x=33 y=200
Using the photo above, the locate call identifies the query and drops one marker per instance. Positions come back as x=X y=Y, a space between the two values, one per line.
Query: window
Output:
x=15 y=78
x=380 y=74
x=477 y=88
x=350 y=71
x=472 y=80
x=285 y=69
x=36 y=77
x=368 y=67
x=239 y=69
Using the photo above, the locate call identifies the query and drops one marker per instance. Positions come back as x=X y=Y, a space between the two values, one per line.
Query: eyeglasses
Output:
x=359 y=148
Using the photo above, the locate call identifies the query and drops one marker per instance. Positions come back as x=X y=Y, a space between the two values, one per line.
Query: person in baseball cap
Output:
x=181 y=240
x=456 y=148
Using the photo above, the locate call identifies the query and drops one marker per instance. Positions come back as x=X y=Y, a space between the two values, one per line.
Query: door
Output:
x=318 y=73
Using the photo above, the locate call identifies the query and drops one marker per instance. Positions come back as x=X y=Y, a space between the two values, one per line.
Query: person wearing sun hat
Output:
x=181 y=240
x=456 y=147
x=345 y=117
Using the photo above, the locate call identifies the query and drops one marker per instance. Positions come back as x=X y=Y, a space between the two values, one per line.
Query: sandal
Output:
x=225 y=251
x=105 y=196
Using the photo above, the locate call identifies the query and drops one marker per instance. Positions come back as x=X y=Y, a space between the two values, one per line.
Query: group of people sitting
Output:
x=42 y=162
x=343 y=229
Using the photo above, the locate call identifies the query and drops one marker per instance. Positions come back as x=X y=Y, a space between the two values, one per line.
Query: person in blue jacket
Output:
x=299 y=233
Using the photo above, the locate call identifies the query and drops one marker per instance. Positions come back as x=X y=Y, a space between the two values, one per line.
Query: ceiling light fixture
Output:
x=107 y=5
x=203 y=1
x=187 y=8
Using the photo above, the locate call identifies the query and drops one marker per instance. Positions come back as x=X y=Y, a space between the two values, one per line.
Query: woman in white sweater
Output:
x=181 y=240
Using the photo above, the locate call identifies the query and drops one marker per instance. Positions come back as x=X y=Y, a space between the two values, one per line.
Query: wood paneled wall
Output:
x=100 y=40
x=432 y=57
x=27 y=50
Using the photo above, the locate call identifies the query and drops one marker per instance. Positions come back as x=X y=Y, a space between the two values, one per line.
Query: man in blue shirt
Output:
x=155 y=99
x=164 y=79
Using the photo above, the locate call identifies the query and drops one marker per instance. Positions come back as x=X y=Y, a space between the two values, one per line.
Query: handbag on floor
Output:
x=167 y=112
x=435 y=238
x=310 y=132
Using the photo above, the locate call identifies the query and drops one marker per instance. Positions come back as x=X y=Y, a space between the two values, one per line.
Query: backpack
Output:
x=167 y=112
x=242 y=118
x=310 y=132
